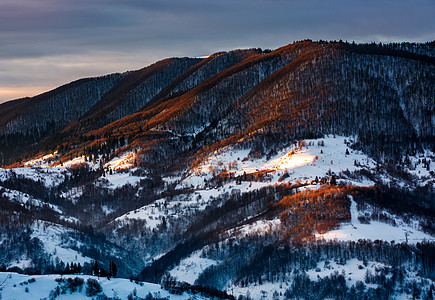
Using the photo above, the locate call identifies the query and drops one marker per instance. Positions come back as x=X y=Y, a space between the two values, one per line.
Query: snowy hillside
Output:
x=358 y=229
x=304 y=172
x=16 y=287
x=57 y=242
x=303 y=161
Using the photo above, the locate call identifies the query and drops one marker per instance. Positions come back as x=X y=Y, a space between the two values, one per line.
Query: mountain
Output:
x=17 y=286
x=252 y=173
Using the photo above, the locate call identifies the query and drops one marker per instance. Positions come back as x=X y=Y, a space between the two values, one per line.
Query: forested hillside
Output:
x=301 y=172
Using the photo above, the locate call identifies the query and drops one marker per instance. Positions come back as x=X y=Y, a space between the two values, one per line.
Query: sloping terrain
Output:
x=17 y=286
x=251 y=172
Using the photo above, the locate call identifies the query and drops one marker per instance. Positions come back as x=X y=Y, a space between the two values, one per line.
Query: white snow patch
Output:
x=107 y=210
x=125 y=161
x=43 y=161
x=27 y=200
x=422 y=166
x=375 y=230
x=353 y=270
x=70 y=219
x=304 y=162
x=257 y=292
x=257 y=227
x=22 y=263
x=120 y=179
x=15 y=287
x=191 y=267
x=73 y=193
x=75 y=161
x=152 y=214
x=50 y=177
x=171 y=179
x=56 y=243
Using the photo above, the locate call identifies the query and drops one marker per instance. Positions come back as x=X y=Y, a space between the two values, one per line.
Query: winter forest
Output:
x=304 y=172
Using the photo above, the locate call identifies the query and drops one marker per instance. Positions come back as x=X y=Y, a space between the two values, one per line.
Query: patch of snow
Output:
x=152 y=214
x=171 y=180
x=56 y=243
x=422 y=166
x=75 y=161
x=23 y=263
x=311 y=158
x=120 y=179
x=354 y=270
x=50 y=177
x=125 y=161
x=106 y=210
x=191 y=267
x=73 y=193
x=376 y=230
x=27 y=200
x=43 y=161
x=19 y=286
x=70 y=219
x=257 y=292
x=257 y=227
x=173 y=208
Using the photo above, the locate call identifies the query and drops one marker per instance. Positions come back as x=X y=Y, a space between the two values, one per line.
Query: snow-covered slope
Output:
x=304 y=161
x=399 y=231
x=18 y=287
x=207 y=174
x=299 y=164
x=58 y=242
x=189 y=268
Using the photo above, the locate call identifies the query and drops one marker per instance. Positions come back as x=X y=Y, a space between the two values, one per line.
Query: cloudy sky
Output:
x=46 y=43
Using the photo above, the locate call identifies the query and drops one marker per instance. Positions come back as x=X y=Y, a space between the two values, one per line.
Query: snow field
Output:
x=43 y=161
x=125 y=161
x=182 y=204
x=315 y=157
x=26 y=199
x=117 y=180
x=354 y=270
x=151 y=213
x=376 y=230
x=257 y=227
x=191 y=267
x=57 y=243
x=424 y=172
x=50 y=177
x=52 y=174
x=15 y=286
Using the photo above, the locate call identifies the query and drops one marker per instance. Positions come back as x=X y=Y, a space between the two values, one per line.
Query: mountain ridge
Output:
x=163 y=108
x=302 y=172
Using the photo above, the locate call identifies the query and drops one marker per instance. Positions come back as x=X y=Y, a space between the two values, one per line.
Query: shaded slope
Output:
x=148 y=85
x=26 y=121
x=210 y=66
x=235 y=81
x=63 y=103
x=136 y=89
